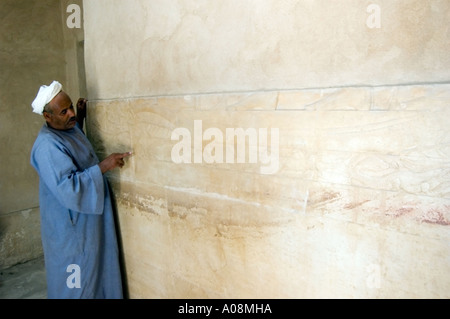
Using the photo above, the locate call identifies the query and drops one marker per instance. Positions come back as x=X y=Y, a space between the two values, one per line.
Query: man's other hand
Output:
x=81 y=111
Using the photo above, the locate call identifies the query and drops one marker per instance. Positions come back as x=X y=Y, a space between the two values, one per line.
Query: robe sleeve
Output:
x=80 y=190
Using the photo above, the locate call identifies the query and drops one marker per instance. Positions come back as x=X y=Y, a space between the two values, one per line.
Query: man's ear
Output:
x=47 y=116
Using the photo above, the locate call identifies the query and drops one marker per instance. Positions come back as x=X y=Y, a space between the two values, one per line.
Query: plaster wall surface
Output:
x=158 y=48
x=358 y=203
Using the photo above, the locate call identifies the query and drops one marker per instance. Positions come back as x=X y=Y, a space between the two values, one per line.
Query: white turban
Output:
x=45 y=95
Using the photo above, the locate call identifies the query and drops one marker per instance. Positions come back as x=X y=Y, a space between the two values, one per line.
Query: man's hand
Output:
x=81 y=111
x=113 y=161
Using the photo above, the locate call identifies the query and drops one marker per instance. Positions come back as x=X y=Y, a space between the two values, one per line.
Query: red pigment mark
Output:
x=354 y=205
x=434 y=216
x=399 y=212
x=328 y=196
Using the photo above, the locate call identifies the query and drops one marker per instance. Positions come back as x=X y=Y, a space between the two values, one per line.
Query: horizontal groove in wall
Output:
x=194 y=94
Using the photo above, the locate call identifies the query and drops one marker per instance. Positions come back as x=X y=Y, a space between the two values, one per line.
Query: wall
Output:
x=357 y=205
x=35 y=50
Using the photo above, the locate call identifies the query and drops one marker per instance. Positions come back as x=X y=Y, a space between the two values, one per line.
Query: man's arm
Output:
x=81 y=112
x=78 y=190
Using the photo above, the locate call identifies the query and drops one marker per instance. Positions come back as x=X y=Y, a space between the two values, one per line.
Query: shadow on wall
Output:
x=113 y=182
x=81 y=69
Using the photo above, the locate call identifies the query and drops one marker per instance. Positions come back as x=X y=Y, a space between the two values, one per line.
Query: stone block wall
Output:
x=356 y=201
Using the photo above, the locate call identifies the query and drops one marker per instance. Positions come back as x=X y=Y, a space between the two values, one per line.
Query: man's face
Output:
x=63 y=114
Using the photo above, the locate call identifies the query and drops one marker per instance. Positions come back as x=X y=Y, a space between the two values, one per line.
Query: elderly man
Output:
x=77 y=221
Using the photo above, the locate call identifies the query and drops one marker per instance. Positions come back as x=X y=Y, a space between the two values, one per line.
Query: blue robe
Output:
x=77 y=221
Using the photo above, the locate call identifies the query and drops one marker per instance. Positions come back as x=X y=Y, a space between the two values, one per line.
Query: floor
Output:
x=24 y=281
